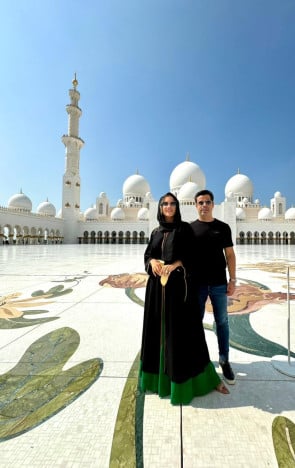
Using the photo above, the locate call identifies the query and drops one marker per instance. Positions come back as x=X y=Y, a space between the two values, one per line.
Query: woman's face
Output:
x=168 y=208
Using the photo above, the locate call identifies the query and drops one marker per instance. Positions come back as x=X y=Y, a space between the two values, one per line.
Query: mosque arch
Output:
x=121 y=237
x=40 y=236
x=128 y=235
x=263 y=237
x=99 y=237
x=285 y=237
x=270 y=237
x=278 y=237
x=85 y=237
x=92 y=237
x=256 y=237
x=141 y=237
x=241 y=237
x=26 y=235
x=106 y=237
x=51 y=237
x=134 y=237
x=33 y=235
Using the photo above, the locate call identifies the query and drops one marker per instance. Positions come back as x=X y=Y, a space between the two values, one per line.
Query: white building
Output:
x=134 y=216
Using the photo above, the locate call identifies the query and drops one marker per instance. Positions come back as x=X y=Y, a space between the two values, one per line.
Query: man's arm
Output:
x=231 y=261
x=231 y=266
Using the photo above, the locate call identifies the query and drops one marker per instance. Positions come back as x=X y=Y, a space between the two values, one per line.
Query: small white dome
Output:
x=188 y=191
x=240 y=214
x=230 y=197
x=135 y=185
x=117 y=214
x=265 y=214
x=102 y=195
x=46 y=208
x=90 y=214
x=277 y=195
x=290 y=214
x=240 y=185
x=143 y=214
x=149 y=196
x=185 y=172
x=257 y=201
x=20 y=201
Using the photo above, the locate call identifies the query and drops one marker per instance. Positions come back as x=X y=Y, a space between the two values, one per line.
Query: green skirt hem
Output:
x=180 y=393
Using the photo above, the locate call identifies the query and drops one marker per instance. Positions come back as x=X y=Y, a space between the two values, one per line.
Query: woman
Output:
x=174 y=354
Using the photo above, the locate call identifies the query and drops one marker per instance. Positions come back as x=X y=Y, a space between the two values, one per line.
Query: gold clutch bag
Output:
x=164 y=277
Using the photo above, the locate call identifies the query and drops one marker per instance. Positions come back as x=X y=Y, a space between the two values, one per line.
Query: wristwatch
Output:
x=233 y=280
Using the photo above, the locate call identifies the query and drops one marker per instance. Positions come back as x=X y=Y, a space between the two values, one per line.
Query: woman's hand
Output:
x=167 y=269
x=156 y=266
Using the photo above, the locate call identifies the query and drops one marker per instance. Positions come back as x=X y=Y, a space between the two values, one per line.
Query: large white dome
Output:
x=46 y=208
x=188 y=191
x=239 y=185
x=20 y=201
x=186 y=171
x=135 y=185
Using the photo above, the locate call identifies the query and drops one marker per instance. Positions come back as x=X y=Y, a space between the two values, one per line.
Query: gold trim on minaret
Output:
x=75 y=81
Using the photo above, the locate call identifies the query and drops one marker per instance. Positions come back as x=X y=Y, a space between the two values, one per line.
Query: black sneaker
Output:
x=227 y=371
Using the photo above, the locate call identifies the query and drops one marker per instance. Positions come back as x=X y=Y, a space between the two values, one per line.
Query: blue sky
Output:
x=158 y=79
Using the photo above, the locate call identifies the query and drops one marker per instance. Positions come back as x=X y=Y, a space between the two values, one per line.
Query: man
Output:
x=214 y=254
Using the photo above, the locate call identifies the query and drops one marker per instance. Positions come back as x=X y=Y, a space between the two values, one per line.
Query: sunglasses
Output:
x=206 y=202
x=165 y=203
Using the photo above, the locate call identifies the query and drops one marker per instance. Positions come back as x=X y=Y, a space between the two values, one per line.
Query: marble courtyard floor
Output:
x=71 y=319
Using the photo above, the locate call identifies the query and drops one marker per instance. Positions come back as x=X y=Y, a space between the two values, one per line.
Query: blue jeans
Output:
x=218 y=299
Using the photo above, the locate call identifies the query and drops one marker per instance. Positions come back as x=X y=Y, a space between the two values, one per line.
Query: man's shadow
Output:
x=258 y=384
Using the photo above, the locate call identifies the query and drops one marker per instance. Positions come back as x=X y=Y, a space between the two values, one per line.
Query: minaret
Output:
x=71 y=178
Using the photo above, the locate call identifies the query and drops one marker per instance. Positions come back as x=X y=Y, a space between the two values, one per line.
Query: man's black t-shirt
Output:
x=211 y=238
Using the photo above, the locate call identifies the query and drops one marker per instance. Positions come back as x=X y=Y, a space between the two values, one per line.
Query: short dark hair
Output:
x=204 y=192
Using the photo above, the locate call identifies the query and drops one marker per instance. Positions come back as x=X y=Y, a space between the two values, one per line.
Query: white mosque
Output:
x=134 y=216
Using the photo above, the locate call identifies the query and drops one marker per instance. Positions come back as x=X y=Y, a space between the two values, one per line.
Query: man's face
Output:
x=205 y=206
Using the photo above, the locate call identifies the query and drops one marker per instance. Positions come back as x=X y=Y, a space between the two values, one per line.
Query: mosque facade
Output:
x=134 y=215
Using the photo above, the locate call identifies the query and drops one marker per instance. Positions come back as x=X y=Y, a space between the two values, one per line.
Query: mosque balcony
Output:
x=72 y=109
x=69 y=140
